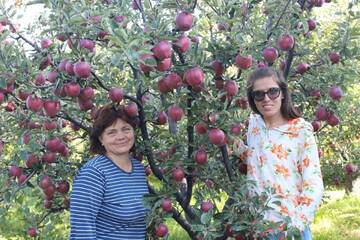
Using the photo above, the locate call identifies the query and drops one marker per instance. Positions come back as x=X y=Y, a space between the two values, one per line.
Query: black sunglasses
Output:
x=272 y=93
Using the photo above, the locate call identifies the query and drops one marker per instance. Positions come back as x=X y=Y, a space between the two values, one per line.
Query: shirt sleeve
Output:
x=312 y=184
x=85 y=202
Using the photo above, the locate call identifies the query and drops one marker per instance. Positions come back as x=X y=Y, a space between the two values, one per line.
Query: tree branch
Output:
x=278 y=21
x=225 y=159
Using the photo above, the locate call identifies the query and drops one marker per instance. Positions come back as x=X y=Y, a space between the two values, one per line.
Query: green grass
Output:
x=338 y=218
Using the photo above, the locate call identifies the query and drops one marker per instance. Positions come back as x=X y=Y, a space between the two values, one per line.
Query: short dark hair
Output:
x=105 y=117
x=287 y=108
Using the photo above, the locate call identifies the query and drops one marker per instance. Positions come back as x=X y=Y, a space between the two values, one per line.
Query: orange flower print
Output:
x=262 y=160
x=278 y=189
x=292 y=132
x=306 y=162
x=284 y=210
x=304 y=200
x=280 y=152
x=255 y=131
x=282 y=170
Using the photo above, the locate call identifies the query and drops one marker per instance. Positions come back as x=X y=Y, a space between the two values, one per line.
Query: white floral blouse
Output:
x=286 y=159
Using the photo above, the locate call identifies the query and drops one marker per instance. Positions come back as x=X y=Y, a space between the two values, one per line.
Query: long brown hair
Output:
x=287 y=108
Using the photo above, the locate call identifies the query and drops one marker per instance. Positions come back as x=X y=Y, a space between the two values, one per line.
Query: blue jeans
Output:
x=305 y=236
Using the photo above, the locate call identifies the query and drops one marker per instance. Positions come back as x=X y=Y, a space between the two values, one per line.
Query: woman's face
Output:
x=118 y=138
x=270 y=105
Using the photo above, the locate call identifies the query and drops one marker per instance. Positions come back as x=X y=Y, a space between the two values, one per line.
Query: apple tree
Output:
x=179 y=68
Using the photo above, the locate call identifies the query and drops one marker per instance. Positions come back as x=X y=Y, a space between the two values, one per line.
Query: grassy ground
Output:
x=338 y=218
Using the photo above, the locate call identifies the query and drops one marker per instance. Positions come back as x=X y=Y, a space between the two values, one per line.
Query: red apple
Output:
x=200 y=128
x=131 y=109
x=164 y=65
x=40 y=79
x=206 y=206
x=45 y=182
x=217 y=137
x=34 y=103
x=316 y=125
x=49 y=157
x=218 y=67
x=52 y=75
x=31 y=160
x=336 y=93
x=178 y=174
x=166 y=205
x=321 y=113
x=162 y=50
x=85 y=104
x=174 y=80
x=116 y=94
x=315 y=94
x=15 y=171
x=243 y=62
x=63 y=187
x=45 y=43
x=161 y=118
x=231 y=87
x=236 y=128
x=333 y=120
x=161 y=230
x=53 y=144
x=270 y=54
x=69 y=68
x=62 y=65
x=334 y=57
x=82 y=69
x=182 y=43
x=194 y=76
x=72 y=89
x=87 y=93
x=302 y=68
x=311 y=24
x=175 y=112
x=61 y=37
x=45 y=62
x=350 y=168
x=201 y=157
x=52 y=107
x=32 y=232
x=286 y=42
x=22 y=179
x=50 y=125
x=184 y=21
x=242 y=102
x=87 y=43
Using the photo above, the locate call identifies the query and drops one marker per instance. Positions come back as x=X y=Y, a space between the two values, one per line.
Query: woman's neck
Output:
x=122 y=161
x=275 y=121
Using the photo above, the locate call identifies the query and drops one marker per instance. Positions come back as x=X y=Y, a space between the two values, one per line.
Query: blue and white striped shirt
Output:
x=106 y=202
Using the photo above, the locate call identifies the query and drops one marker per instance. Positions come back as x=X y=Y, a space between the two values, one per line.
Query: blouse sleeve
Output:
x=312 y=184
x=85 y=202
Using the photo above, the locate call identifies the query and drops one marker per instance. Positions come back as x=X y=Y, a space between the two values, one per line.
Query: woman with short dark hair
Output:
x=106 y=198
x=281 y=152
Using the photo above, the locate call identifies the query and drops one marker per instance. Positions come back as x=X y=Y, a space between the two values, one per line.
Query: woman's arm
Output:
x=312 y=183
x=85 y=202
